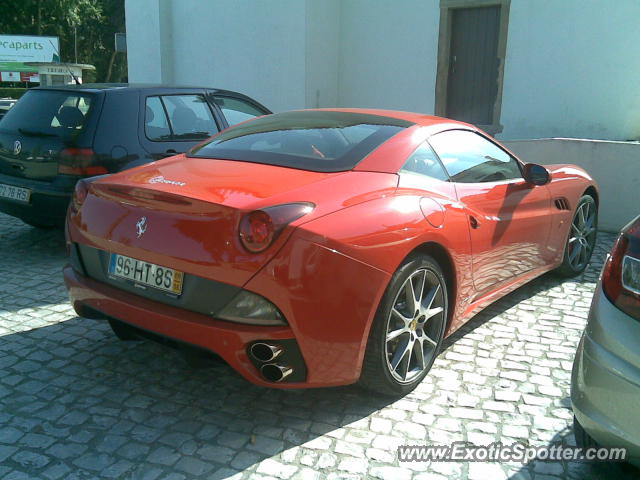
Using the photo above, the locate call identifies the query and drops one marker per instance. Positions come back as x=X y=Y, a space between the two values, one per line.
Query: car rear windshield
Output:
x=49 y=113
x=321 y=141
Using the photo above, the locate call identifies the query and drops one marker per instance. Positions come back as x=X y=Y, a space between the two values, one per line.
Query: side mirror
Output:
x=536 y=174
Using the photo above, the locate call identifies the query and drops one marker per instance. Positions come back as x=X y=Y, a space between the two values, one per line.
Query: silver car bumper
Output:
x=605 y=382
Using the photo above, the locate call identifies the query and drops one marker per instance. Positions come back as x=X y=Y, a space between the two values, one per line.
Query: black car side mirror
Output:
x=536 y=174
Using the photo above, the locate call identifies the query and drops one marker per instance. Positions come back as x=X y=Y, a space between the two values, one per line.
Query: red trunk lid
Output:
x=192 y=208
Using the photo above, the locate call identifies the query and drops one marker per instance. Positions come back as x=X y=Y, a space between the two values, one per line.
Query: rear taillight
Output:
x=260 y=228
x=79 y=162
x=621 y=274
x=79 y=195
x=257 y=231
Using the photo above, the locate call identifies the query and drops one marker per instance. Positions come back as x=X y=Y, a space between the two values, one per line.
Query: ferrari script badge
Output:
x=161 y=179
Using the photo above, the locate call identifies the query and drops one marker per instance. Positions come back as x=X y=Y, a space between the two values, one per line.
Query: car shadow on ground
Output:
x=576 y=470
x=538 y=468
x=539 y=285
x=93 y=402
x=75 y=398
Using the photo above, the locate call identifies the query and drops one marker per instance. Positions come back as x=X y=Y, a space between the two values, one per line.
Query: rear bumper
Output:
x=605 y=383
x=223 y=338
x=329 y=300
x=47 y=205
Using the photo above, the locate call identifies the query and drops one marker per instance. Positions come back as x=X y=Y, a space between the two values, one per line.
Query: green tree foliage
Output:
x=94 y=21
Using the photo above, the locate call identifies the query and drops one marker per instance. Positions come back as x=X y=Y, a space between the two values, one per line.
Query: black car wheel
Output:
x=408 y=329
x=581 y=239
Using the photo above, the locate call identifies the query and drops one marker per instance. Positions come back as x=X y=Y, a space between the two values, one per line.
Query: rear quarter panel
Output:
x=330 y=276
x=383 y=232
x=328 y=299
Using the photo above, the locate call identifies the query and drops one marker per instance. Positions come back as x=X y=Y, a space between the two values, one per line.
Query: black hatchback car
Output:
x=54 y=136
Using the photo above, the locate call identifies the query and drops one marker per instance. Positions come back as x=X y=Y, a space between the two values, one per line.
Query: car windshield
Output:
x=48 y=113
x=321 y=141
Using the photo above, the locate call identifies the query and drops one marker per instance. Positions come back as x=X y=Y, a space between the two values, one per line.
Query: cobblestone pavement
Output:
x=78 y=403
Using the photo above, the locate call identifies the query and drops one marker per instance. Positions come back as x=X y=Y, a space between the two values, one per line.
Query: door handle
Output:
x=473 y=221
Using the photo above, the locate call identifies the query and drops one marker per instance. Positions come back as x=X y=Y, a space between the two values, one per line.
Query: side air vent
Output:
x=562 y=203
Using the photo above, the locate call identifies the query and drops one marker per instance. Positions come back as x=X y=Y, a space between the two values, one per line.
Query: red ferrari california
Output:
x=324 y=247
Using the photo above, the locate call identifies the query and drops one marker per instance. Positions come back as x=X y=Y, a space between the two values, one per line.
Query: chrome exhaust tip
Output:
x=275 y=373
x=263 y=352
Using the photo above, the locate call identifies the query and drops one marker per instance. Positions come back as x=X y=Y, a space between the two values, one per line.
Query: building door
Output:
x=472 y=46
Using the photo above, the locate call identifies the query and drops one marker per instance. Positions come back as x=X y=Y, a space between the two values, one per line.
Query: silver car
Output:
x=605 y=383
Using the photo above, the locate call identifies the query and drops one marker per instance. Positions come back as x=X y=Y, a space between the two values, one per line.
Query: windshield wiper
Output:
x=33 y=133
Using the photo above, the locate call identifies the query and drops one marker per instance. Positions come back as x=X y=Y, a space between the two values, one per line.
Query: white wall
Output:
x=389 y=54
x=572 y=70
x=614 y=165
x=291 y=53
x=571 y=66
x=322 y=53
x=144 y=53
x=257 y=48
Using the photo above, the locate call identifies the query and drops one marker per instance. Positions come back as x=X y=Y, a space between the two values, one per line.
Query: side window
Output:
x=156 y=126
x=236 y=111
x=424 y=162
x=190 y=117
x=470 y=158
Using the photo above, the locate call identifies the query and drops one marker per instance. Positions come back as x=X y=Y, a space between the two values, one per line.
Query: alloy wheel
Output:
x=415 y=325
x=583 y=235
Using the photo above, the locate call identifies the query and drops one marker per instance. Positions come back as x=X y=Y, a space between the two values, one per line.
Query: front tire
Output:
x=581 y=239
x=408 y=328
